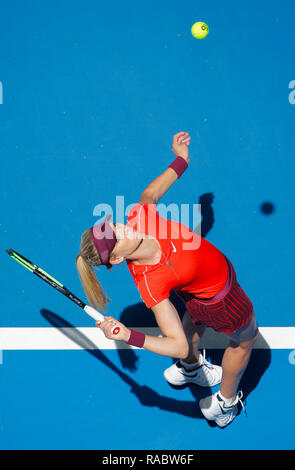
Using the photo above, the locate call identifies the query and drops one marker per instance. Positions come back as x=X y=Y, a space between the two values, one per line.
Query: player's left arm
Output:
x=157 y=188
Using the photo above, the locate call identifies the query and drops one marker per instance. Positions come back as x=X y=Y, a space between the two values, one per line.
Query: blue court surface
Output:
x=91 y=94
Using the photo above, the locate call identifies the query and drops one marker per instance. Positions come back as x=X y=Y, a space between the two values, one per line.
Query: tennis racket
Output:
x=58 y=286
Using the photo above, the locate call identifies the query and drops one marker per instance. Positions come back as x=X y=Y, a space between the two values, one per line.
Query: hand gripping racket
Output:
x=58 y=286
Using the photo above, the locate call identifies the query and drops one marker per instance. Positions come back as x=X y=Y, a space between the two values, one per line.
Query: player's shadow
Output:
x=142 y=317
x=146 y=395
x=260 y=360
x=207 y=212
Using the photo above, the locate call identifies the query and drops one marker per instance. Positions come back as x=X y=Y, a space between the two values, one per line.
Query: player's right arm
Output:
x=173 y=343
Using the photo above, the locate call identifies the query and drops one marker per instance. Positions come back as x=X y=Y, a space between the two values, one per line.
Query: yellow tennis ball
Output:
x=200 y=30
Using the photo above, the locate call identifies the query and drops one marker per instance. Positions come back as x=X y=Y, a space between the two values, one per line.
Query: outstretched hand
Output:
x=180 y=144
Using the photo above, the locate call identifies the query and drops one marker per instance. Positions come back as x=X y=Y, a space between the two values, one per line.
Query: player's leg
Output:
x=234 y=363
x=222 y=407
x=193 y=334
x=194 y=368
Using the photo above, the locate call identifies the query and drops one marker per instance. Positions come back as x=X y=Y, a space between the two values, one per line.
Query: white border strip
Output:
x=93 y=338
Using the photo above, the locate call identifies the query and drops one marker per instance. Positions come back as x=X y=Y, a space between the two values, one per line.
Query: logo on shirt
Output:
x=174 y=249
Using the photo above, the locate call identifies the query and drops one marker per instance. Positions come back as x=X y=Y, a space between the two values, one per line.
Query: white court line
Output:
x=92 y=338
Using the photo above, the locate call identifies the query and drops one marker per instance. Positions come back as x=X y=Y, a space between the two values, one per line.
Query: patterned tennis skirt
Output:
x=226 y=312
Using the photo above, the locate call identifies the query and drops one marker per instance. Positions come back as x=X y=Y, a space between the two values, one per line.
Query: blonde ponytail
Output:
x=84 y=262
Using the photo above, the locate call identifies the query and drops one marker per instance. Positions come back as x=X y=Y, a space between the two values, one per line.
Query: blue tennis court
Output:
x=91 y=96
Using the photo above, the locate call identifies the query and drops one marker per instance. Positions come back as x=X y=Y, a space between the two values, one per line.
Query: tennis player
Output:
x=162 y=256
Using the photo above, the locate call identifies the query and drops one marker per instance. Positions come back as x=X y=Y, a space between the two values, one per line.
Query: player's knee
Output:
x=256 y=335
x=252 y=340
x=184 y=351
x=248 y=345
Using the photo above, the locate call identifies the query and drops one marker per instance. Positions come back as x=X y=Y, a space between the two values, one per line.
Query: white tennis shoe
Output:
x=204 y=374
x=214 y=409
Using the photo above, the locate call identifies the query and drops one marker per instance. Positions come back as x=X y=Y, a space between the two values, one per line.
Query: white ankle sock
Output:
x=228 y=401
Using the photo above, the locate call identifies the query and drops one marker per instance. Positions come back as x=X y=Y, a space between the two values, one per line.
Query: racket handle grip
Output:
x=99 y=317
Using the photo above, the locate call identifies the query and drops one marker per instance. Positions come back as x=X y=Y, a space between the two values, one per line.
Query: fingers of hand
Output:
x=107 y=325
x=183 y=137
x=186 y=140
x=179 y=135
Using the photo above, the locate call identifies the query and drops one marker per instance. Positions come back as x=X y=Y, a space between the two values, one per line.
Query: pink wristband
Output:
x=179 y=166
x=136 y=339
